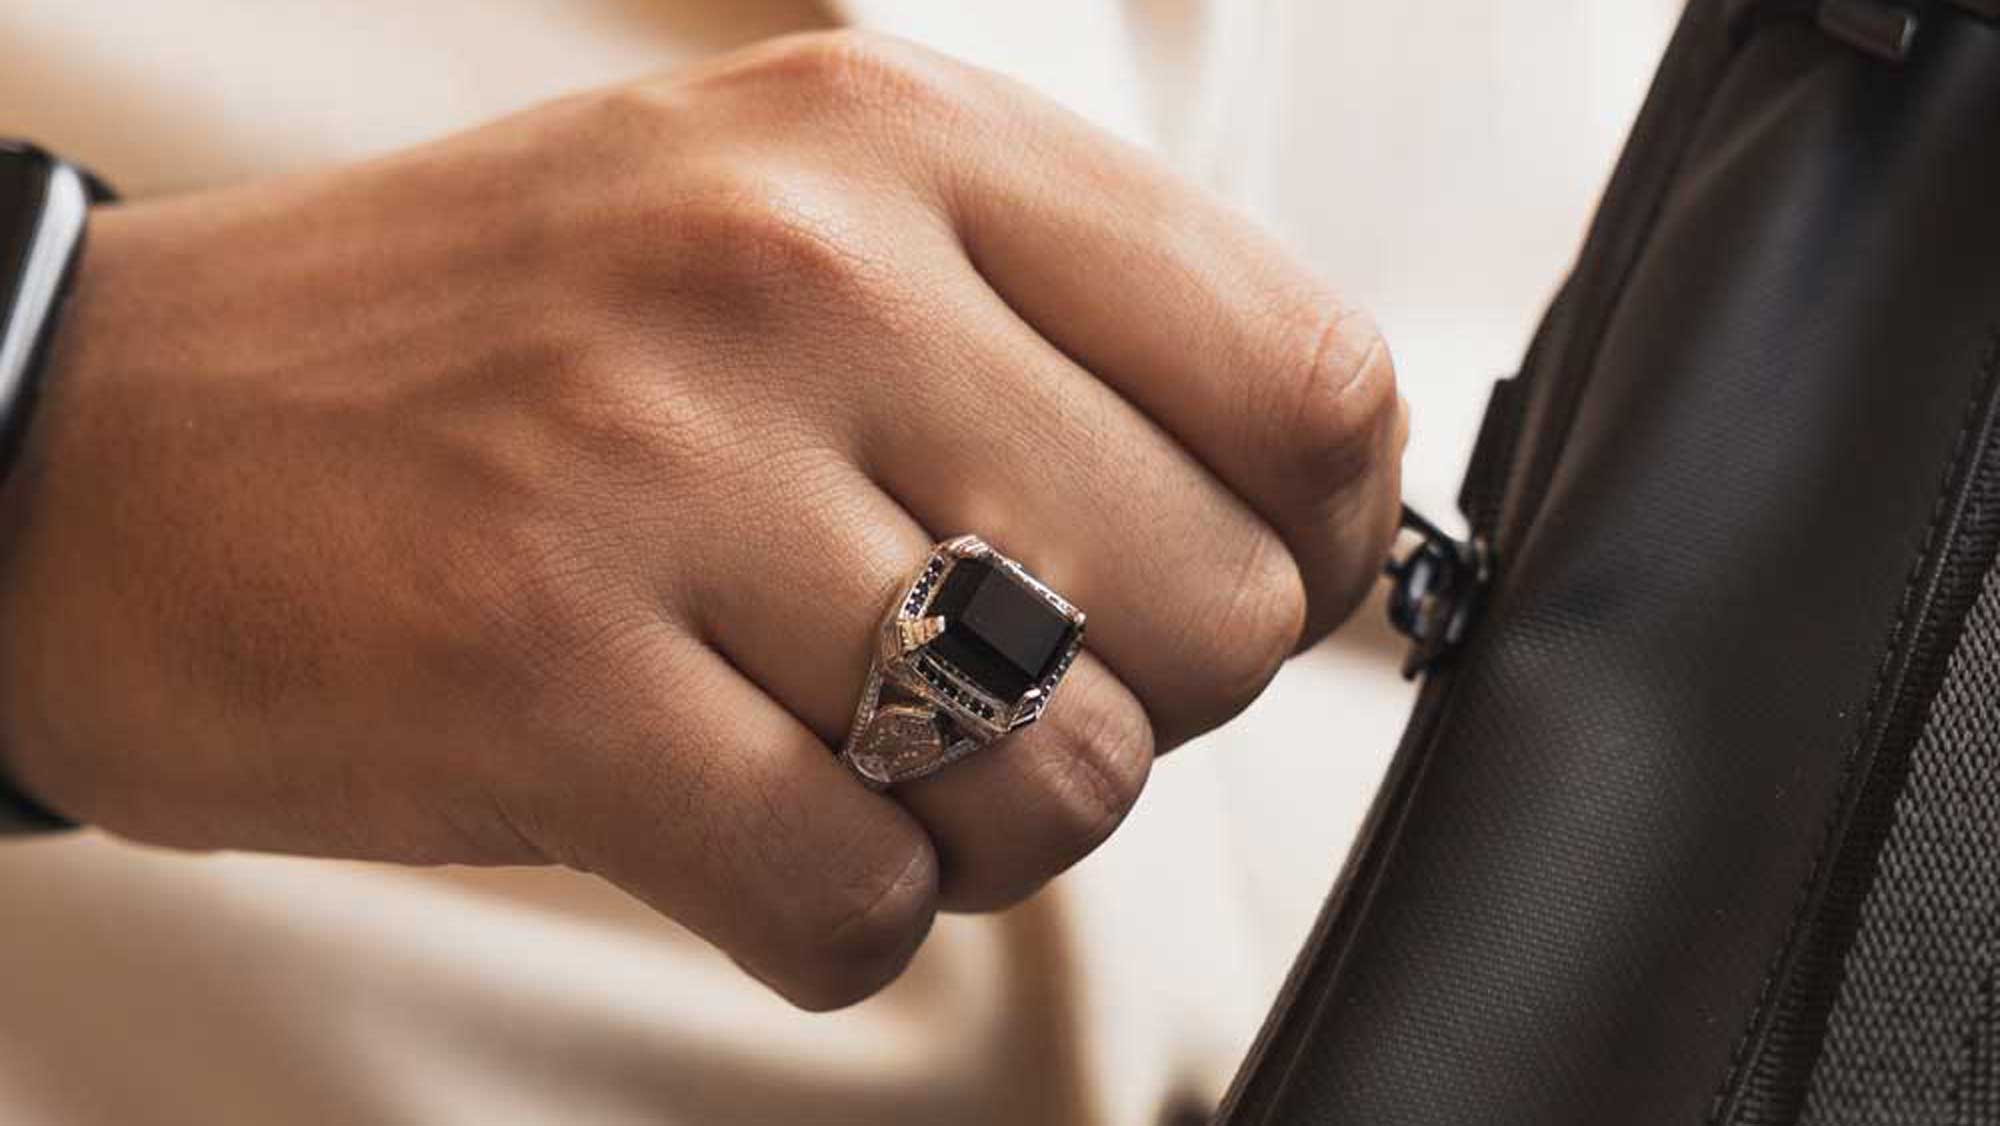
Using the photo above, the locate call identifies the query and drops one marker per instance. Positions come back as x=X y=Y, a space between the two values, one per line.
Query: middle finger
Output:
x=1194 y=600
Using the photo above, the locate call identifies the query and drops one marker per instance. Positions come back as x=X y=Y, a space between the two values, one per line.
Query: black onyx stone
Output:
x=997 y=631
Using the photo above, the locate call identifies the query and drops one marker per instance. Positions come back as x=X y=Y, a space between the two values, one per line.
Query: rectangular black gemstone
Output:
x=1002 y=634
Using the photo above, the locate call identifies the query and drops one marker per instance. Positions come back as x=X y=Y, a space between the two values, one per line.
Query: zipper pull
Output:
x=1437 y=591
x=1439 y=584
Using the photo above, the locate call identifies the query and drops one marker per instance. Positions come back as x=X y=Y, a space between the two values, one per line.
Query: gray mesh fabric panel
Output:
x=1911 y=1040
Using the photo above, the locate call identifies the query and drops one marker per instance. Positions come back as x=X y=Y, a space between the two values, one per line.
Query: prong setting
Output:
x=1018 y=637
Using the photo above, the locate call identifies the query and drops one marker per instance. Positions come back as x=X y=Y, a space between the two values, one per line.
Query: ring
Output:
x=973 y=648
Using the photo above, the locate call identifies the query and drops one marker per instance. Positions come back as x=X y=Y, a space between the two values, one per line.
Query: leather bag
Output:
x=1695 y=819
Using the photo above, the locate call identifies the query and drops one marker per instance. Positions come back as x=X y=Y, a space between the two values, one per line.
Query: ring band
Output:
x=973 y=648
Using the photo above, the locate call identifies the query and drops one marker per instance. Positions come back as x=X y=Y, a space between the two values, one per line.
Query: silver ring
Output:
x=973 y=648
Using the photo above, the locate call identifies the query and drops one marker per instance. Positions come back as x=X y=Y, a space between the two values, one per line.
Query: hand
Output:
x=532 y=497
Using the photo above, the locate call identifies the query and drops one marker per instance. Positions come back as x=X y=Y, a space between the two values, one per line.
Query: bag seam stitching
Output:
x=1898 y=641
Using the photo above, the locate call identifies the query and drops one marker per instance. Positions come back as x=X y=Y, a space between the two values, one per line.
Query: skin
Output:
x=531 y=497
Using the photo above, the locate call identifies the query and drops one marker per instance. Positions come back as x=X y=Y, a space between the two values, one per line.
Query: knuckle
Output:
x=872 y=84
x=1103 y=754
x=1343 y=396
x=628 y=117
x=866 y=934
x=616 y=425
x=851 y=67
x=620 y=142
x=762 y=239
x=1257 y=624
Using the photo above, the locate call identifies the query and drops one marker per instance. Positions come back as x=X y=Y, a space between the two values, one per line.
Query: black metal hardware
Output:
x=1885 y=30
x=1438 y=586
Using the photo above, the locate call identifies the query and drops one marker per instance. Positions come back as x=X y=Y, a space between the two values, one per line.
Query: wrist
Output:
x=44 y=211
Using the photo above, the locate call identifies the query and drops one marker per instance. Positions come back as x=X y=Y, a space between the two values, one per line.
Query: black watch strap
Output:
x=20 y=814
x=44 y=210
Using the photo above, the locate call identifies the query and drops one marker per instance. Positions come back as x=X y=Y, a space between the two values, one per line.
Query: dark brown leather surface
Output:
x=1580 y=895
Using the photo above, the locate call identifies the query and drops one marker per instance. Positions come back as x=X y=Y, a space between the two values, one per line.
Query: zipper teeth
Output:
x=1768 y=1078
x=1772 y=1066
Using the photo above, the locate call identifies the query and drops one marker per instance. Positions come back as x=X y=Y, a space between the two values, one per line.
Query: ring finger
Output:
x=803 y=625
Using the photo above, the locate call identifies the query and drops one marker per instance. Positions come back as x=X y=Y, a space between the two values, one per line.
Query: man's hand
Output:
x=533 y=497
